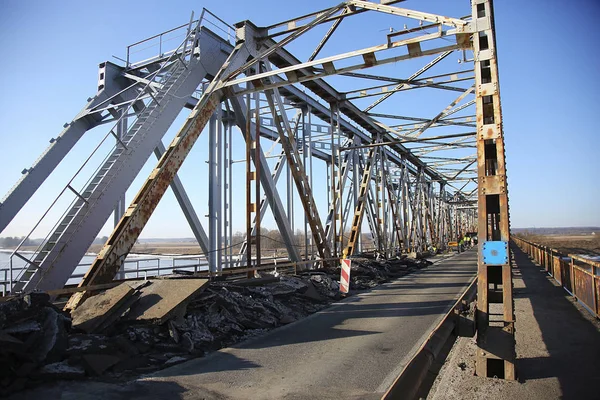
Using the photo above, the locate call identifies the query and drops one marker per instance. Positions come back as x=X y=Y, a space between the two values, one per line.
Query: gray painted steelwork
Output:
x=76 y=232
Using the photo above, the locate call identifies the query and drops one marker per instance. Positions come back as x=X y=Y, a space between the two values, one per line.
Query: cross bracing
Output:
x=383 y=144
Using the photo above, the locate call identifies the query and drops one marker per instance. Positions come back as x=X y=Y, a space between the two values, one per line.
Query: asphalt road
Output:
x=351 y=350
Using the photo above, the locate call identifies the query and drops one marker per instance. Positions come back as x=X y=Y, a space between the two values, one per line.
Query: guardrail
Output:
x=145 y=268
x=413 y=375
x=159 y=46
x=287 y=267
x=576 y=274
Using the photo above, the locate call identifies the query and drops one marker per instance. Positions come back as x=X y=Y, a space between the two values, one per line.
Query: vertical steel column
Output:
x=225 y=204
x=290 y=199
x=378 y=203
x=431 y=214
x=308 y=237
x=121 y=131
x=332 y=181
x=219 y=188
x=214 y=202
x=341 y=179
x=355 y=185
x=250 y=207
x=230 y=189
x=257 y=154
x=306 y=160
x=405 y=206
x=495 y=338
x=441 y=237
x=383 y=199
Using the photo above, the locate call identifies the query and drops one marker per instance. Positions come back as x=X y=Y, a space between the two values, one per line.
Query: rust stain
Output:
x=128 y=230
x=583 y=288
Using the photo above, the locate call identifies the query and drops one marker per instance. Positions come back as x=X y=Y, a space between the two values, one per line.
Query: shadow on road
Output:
x=136 y=390
x=215 y=362
x=571 y=339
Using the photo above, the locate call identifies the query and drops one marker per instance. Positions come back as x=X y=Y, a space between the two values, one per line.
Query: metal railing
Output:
x=145 y=268
x=578 y=275
x=153 y=48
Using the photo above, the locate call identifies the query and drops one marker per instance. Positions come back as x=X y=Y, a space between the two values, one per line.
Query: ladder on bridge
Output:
x=60 y=252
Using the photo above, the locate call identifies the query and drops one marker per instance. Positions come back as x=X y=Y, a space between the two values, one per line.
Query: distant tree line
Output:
x=270 y=239
x=10 y=242
x=13 y=241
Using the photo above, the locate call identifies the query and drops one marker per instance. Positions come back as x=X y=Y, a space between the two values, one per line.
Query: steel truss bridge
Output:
x=349 y=156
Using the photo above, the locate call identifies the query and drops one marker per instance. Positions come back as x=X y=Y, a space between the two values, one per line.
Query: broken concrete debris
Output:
x=142 y=326
x=161 y=300
x=100 y=308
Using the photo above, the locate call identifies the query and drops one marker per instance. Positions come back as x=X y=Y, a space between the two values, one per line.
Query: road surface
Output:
x=351 y=350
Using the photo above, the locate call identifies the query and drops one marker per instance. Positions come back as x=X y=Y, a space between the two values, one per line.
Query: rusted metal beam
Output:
x=298 y=171
x=496 y=344
x=365 y=181
x=293 y=25
x=125 y=234
x=403 y=12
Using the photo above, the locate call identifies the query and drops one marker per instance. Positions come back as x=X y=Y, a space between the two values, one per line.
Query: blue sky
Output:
x=548 y=75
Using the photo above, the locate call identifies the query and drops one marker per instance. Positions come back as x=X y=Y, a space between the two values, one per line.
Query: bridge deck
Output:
x=353 y=349
x=557 y=343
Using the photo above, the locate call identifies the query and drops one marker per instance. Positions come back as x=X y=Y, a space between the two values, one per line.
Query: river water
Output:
x=136 y=265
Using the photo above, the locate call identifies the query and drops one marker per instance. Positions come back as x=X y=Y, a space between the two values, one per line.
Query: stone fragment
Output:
x=24 y=327
x=175 y=360
x=287 y=319
x=96 y=364
x=125 y=345
x=312 y=293
x=187 y=343
x=61 y=370
x=131 y=363
x=54 y=341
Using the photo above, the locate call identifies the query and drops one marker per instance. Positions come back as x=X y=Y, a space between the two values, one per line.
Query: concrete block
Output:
x=101 y=307
x=163 y=298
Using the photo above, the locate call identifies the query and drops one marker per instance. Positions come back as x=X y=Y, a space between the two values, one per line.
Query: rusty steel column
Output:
x=332 y=181
x=257 y=153
x=252 y=206
x=495 y=335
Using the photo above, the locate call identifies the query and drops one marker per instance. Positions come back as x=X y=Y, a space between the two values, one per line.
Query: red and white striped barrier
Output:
x=345 y=276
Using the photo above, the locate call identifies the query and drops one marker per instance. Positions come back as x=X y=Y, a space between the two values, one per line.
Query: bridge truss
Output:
x=396 y=133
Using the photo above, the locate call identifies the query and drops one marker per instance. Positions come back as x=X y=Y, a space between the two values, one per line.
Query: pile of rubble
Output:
x=141 y=326
x=368 y=272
